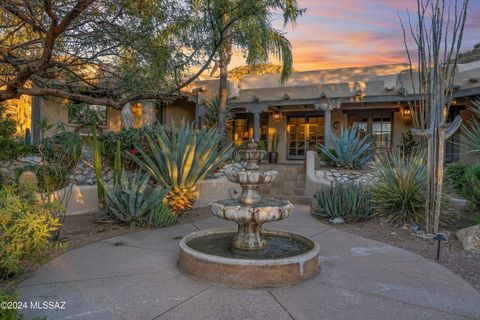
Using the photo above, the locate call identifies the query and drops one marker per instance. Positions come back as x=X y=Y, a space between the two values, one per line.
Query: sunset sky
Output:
x=342 y=33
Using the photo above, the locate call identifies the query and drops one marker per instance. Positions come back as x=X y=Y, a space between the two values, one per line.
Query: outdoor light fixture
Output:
x=407 y=115
x=277 y=116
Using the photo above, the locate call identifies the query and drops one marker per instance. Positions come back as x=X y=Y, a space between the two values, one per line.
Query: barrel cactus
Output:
x=180 y=159
x=28 y=182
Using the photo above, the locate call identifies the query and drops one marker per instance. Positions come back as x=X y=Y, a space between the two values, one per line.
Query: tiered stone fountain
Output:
x=249 y=256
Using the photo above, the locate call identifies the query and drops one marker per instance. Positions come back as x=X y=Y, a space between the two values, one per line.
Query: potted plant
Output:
x=273 y=154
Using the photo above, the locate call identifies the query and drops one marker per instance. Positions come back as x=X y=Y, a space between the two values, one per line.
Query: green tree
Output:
x=103 y=52
x=250 y=28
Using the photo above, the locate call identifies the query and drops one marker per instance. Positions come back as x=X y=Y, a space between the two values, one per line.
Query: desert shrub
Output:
x=260 y=145
x=179 y=161
x=64 y=148
x=212 y=111
x=12 y=313
x=399 y=189
x=471 y=188
x=408 y=144
x=130 y=201
x=349 y=150
x=26 y=226
x=129 y=138
x=51 y=176
x=471 y=130
x=7 y=313
x=161 y=216
x=349 y=201
x=455 y=175
x=12 y=146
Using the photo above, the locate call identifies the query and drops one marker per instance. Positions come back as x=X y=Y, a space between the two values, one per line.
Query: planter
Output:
x=273 y=157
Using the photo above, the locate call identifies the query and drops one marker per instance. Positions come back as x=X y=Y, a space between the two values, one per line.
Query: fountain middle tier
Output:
x=250 y=219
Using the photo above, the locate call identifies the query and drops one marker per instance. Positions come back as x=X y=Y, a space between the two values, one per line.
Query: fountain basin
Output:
x=208 y=255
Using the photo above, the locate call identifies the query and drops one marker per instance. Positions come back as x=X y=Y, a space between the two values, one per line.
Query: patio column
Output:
x=327 y=136
x=256 y=125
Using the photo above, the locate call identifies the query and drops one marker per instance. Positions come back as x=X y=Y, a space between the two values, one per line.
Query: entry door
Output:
x=303 y=135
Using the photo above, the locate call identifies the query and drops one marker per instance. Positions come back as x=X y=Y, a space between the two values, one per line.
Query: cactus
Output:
x=28 y=182
x=180 y=161
x=117 y=164
x=275 y=141
x=130 y=201
x=98 y=166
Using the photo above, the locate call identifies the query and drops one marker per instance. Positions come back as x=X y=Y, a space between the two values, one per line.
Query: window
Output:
x=379 y=127
x=240 y=131
x=382 y=133
x=84 y=114
x=303 y=134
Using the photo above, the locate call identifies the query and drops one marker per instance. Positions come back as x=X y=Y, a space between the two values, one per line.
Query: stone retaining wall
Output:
x=331 y=175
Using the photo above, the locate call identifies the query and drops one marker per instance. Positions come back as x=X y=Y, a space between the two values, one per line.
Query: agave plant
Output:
x=180 y=160
x=471 y=131
x=349 y=150
x=129 y=201
x=344 y=200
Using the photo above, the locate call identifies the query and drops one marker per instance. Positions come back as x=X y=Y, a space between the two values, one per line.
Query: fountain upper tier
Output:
x=250 y=177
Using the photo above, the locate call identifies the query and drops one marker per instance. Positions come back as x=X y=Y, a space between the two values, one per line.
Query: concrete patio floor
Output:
x=136 y=277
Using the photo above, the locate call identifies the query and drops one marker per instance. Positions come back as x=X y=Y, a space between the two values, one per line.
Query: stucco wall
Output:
x=179 y=111
x=84 y=199
x=55 y=109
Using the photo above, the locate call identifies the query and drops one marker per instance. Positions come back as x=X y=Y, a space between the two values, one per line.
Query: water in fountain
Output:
x=249 y=256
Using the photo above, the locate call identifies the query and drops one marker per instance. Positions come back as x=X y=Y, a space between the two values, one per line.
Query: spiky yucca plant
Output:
x=180 y=159
x=471 y=130
x=348 y=150
x=399 y=190
x=129 y=202
x=213 y=110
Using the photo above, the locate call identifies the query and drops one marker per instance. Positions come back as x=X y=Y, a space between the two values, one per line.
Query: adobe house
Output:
x=312 y=105
x=307 y=109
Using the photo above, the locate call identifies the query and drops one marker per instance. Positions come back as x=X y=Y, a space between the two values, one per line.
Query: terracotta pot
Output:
x=273 y=157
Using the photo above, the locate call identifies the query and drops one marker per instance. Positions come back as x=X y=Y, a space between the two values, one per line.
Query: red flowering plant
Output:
x=131 y=140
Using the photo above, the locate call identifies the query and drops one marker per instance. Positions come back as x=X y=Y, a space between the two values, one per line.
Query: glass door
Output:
x=303 y=135
x=382 y=133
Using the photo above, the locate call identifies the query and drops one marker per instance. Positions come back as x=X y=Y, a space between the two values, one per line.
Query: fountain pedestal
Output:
x=249 y=256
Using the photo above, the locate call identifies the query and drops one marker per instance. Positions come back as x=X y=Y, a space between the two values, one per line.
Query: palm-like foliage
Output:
x=180 y=160
x=399 y=191
x=211 y=116
x=129 y=201
x=349 y=150
x=471 y=130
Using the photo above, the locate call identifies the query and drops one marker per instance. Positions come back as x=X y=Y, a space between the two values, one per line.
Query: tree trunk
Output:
x=148 y=114
x=126 y=117
x=225 y=56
